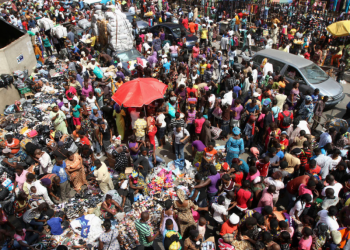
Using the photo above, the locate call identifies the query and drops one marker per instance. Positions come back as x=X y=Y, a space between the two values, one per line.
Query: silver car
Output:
x=308 y=74
x=141 y=25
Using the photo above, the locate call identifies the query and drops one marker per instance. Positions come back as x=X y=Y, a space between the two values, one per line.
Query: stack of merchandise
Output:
x=112 y=28
x=84 y=24
x=45 y=23
x=130 y=238
x=59 y=31
x=164 y=180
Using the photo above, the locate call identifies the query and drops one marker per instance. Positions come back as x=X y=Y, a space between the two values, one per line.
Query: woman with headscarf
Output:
x=234 y=146
x=205 y=136
x=168 y=214
x=306 y=110
x=119 y=115
x=184 y=213
x=152 y=59
x=75 y=170
x=10 y=158
x=58 y=119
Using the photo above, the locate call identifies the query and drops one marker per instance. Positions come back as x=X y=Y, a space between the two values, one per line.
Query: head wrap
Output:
x=181 y=195
x=236 y=131
x=134 y=174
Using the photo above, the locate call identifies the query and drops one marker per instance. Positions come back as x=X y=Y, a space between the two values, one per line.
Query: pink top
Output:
x=21 y=179
x=195 y=52
x=86 y=92
x=173 y=49
x=305 y=244
x=266 y=199
x=199 y=124
x=20 y=237
x=291 y=233
x=252 y=177
x=304 y=190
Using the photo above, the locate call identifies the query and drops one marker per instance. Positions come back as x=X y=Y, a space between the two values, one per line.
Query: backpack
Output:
x=287 y=120
x=268 y=119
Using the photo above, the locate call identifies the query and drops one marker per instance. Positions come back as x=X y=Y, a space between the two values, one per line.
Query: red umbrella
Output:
x=139 y=92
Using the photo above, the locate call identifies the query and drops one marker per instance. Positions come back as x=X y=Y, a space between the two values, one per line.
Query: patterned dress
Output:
x=110 y=240
x=76 y=172
x=184 y=216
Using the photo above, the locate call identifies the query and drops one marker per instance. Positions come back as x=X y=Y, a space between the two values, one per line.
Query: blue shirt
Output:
x=55 y=225
x=251 y=109
x=236 y=89
x=314 y=98
x=244 y=167
x=167 y=66
x=280 y=154
x=61 y=172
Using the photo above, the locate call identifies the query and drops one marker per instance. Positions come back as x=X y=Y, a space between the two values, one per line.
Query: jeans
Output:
x=134 y=157
x=97 y=147
x=39 y=225
x=150 y=161
x=29 y=239
x=211 y=197
x=173 y=56
x=179 y=150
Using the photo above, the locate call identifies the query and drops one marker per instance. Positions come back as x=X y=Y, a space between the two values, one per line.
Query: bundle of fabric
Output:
x=84 y=24
x=45 y=23
x=59 y=31
x=89 y=228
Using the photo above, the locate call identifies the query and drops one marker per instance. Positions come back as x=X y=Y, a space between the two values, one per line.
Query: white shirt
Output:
x=42 y=191
x=132 y=10
x=335 y=162
x=336 y=187
x=146 y=46
x=218 y=211
x=149 y=37
x=297 y=207
x=45 y=164
x=329 y=221
x=66 y=110
x=267 y=68
x=161 y=119
x=255 y=75
x=249 y=38
x=281 y=99
x=324 y=139
x=91 y=101
x=325 y=162
x=278 y=184
x=180 y=135
x=303 y=125
x=211 y=101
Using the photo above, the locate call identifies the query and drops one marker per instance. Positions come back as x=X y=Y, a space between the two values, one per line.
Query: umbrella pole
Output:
x=144 y=106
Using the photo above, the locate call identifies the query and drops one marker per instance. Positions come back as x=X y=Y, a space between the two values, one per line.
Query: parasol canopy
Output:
x=139 y=92
x=341 y=28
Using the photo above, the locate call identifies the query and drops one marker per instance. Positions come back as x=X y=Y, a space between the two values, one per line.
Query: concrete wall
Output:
x=8 y=96
x=9 y=54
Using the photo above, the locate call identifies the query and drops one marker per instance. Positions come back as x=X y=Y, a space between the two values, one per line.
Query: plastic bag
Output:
x=98 y=72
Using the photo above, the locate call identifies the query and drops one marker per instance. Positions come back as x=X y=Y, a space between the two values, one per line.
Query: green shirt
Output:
x=144 y=231
x=76 y=112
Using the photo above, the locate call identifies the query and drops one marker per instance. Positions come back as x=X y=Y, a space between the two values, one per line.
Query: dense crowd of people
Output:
x=292 y=192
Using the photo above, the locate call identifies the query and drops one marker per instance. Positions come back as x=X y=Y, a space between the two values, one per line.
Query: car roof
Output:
x=170 y=25
x=290 y=59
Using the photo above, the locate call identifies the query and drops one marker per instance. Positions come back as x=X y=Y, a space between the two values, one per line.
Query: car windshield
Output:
x=314 y=74
x=130 y=17
x=129 y=55
x=177 y=32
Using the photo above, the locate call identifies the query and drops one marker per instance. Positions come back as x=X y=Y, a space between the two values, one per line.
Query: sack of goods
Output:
x=59 y=31
x=45 y=23
x=84 y=24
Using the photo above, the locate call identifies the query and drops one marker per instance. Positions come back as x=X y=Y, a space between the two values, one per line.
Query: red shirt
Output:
x=71 y=90
x=242 y=197
x=185 y=23
x=238 y=178
x=307 y=56
x=263 y=168
x=85 y=141
x=312 y=171
x=281 y=117
x=189 y=90
x=25 y=25
x=284 y=144
x=294 y=184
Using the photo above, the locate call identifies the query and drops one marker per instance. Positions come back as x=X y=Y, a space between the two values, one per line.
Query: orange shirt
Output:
x=227 y=228
x=15 y=143
x=192 y=27
x=209 y=154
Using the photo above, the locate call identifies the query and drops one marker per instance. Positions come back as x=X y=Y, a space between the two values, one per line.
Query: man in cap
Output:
x=229 y=228
x=52 y=183
x=42 y=190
